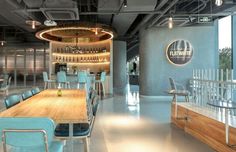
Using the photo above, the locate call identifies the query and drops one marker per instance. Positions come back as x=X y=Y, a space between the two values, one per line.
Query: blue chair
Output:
x=12 y=100
x=29 y=135
x=27 y=94
x=82 y=78
x=62 y=80
x=47 y=82
x=101 y=82
x=80 y=131
x=35 y=91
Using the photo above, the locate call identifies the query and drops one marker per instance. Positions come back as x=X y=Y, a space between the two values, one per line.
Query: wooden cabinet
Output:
x=208 y=130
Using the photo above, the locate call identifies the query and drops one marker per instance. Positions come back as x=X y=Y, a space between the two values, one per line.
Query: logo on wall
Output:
x=179 y=52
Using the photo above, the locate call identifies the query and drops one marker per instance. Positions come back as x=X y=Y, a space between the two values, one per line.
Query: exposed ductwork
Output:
x=148 y=17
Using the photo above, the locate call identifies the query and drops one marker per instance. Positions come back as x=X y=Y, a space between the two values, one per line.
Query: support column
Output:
x=233 y=57
x=5 y=52
x=34 y=66
x=15 y=68
x=25 y=69
x=119 y=67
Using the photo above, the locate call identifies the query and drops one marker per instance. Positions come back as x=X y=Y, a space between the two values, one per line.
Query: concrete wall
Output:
x=119 y=66
x=155 y=69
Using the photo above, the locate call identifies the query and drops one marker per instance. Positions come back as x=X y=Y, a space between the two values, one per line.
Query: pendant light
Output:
x=3 y=38
x=170 y=22
x=218 y=2
x=33 y=23
x=125 y=3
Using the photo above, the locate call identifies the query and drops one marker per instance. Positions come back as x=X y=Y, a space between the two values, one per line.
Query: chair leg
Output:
x=45 y=85
x=103 y=89
x=86 y=144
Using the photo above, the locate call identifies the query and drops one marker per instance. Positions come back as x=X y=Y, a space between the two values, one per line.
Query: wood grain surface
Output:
x=69 y=108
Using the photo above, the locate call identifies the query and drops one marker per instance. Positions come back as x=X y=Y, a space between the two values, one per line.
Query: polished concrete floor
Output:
x=127 y=123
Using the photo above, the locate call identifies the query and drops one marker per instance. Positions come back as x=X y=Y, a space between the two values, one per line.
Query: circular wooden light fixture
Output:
x=72 y=34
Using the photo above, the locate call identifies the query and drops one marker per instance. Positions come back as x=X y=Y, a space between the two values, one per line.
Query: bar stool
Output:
x=47 y=82
x=100 y=82
x=82 y=79
x=62 y=80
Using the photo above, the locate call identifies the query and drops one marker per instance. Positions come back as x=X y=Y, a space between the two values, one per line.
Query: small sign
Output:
x=204 y=19
x=179 y=52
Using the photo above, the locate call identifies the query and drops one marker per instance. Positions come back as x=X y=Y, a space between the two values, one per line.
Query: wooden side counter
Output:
x=205 y=126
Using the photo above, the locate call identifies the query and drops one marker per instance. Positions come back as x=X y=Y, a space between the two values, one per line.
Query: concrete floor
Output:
x=132 y=124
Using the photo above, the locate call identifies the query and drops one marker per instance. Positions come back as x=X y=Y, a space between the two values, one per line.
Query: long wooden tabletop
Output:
x=69 y=108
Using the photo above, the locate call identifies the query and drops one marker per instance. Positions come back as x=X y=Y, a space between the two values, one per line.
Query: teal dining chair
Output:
x=35 y=91
x=29 y=135
x=12 y=100
x=82 y=78
x=27 y=94
x=47 y=81
x=62 y=80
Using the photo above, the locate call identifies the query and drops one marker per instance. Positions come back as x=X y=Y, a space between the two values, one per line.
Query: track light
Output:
x=218 y=2
x=125 y=3
x=170 y=23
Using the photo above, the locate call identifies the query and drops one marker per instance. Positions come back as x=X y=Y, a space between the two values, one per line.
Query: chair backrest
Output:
x=12 y=100
x=61 y=77
x=172 y=84
x=103 y=76
x=27 y=94
x=45 y=76
x=82 y=77
x=35 y=91
x=27 y=138
x=9 y=81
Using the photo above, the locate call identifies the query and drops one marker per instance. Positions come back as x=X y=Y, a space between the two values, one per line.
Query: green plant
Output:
x=225 y=58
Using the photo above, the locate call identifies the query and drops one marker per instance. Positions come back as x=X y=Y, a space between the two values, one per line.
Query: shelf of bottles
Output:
x=81 y=55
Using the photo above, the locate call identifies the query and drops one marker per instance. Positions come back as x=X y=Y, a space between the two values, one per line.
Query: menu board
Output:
x=179 y=52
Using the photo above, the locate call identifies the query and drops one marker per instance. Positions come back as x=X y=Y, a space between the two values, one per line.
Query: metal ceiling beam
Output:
x=163 y=13
x=97 y=13
x=148 y=17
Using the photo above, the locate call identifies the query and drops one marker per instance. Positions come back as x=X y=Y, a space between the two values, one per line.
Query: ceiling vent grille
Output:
x=60 y=14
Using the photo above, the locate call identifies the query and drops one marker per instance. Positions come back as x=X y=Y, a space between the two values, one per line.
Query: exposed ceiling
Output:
x=126 y=21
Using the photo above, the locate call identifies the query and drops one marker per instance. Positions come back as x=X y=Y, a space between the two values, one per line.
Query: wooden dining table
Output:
x=69 y=108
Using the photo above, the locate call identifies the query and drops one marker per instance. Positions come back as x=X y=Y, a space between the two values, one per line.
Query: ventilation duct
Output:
x=60 y=13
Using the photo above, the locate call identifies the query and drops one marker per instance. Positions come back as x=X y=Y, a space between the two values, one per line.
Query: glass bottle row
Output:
x=94 y=59
x=79 y=50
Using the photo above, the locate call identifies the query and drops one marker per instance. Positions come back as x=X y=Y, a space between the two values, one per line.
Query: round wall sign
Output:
x=179 y=52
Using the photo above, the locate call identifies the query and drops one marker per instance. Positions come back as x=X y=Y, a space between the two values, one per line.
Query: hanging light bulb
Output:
x=96 y=31
x=3 y=42
x=125 y=3
x=33 y=24
x=170 y=23
x=219 y=2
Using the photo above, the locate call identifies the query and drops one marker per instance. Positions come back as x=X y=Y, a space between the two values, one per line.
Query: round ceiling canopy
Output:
x=73 y=34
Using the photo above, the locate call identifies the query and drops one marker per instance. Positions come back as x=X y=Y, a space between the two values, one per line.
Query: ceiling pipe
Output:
x=201 y=7
x=163 y=13
x=147 y=18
